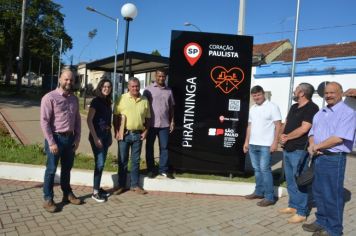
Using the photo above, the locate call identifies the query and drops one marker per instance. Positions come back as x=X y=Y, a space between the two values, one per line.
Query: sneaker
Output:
x=97 y=197
x=166 y=175
x=104 y=193
x=71 y=198
x=50 y=206
x=139 y=190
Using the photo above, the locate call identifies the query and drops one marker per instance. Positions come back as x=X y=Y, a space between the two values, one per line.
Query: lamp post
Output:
x=59 y=57
x=19 y=58
x=191 y=24
x=129 y=12
x=291 y=84
x=116 y=46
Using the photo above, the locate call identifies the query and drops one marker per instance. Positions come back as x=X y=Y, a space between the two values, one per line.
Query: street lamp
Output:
x=59 y=58
x=190 y=24
x=116 y=46
x=129 y=12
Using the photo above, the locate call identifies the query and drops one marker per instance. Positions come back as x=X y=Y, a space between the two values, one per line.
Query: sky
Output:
x=320 y=22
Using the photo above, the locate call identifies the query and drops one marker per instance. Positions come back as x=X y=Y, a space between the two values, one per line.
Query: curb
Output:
x=26 y=172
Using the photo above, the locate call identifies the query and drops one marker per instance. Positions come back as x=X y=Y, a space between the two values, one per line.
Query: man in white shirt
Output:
x=263 y=128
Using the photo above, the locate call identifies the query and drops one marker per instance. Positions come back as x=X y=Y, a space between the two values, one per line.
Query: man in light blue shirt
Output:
x=331 y=138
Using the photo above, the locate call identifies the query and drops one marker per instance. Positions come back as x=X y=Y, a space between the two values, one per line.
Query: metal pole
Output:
x=20 y=61
x=241 y=24
x=59 y=59
x=292 y=76
x=125 y=52
x=52 y=74
x=85 y=87
x=115 y=63
x=294 y=56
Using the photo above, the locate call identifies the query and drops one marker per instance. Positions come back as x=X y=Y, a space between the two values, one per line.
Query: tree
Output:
x=156 y=52
x=43 y=17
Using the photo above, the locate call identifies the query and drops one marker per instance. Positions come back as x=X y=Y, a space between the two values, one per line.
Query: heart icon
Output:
x=227 y=80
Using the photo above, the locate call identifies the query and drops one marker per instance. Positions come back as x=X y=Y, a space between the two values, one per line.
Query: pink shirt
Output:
x=161 y=102
x=60 y=113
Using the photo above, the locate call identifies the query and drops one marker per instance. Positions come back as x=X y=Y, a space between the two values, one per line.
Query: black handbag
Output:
x=306 y=177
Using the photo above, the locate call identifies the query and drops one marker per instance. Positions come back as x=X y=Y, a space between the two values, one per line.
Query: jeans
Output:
x=328 y=192
x=134 y=141
x=163 y=134
x=66 y=154
x=100 y=155
x=261 y=163
x=298 y=196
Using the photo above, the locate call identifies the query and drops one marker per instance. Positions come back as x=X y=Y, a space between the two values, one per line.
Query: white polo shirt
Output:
x=262 y=118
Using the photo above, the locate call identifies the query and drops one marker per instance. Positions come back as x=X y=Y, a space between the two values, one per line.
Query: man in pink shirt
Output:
x=61 y=127
x=162 y=123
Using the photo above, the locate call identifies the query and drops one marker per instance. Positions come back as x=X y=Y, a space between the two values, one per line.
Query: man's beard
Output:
x=67 y=88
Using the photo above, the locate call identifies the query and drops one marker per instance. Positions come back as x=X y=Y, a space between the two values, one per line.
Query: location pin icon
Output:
x=192 y=52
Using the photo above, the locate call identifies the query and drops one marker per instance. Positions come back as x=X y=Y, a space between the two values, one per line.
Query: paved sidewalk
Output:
x=156 y=213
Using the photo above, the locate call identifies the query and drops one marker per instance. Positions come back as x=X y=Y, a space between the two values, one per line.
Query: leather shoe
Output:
x=50 y=206
x=71 y=198
x=287 y=210
x=265 y=203
x=297 y=219
x=139 y=190
x=253 y=196
x=322 y=232
x=313 y=227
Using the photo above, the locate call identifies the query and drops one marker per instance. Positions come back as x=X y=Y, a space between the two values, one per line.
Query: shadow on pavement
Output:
x=24 y=189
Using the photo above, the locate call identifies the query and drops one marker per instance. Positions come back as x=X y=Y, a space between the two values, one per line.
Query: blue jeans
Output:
x=293 y=164
x=134 y=141
x=163 y=134
x=261 y=163
x=328 y=192
x=66 y=154
x=100 y=155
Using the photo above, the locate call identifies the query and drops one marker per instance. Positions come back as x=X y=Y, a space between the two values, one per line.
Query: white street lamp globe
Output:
x=129 y=11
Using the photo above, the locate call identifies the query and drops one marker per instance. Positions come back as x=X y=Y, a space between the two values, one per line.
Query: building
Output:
x=314 y=65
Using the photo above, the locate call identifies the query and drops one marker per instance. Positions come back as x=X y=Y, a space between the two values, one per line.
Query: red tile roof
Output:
x=267 y=48
x=329 y=51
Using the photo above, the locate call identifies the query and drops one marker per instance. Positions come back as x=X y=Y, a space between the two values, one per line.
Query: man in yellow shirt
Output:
x=131 y=121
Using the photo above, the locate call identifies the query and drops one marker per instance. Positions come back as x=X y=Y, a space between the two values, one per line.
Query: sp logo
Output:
x=192 y=52
x=227 y=80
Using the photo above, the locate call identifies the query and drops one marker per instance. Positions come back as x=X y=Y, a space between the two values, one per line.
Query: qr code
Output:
x=234 y=105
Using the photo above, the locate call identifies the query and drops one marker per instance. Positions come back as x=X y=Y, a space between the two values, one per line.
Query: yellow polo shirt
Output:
x=136 y=111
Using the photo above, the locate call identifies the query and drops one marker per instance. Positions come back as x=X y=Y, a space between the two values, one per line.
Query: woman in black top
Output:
x=99 y=123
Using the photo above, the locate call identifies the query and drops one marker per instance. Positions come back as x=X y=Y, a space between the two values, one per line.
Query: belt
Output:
x=67 y=133
x=329 y=153
x=134 y=131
